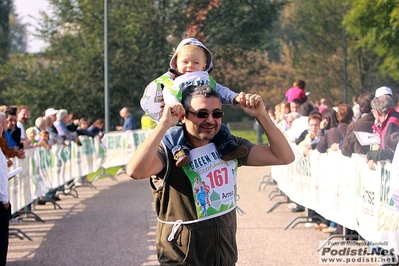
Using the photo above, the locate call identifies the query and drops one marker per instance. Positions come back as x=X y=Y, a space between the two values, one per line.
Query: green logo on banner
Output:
x=114 y=142
x=66 y=153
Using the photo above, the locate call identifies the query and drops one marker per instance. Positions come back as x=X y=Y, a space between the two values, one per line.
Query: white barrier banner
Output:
x=345 y=191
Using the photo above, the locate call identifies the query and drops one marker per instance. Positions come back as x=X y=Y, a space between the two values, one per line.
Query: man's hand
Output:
x=172 y=113
x=253 y=105
x=7 y=205
x=9 y=163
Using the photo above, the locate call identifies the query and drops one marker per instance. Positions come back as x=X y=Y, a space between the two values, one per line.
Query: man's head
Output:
x=314 y=123
x=380 y=107
x=11 y=116
x=295 y=105
x=23 y=114
x=291 y=117
x=124 y=112
x=364 y=101
x=52 y=113
x=41 y=123
x=62 y=115
x=203 y=116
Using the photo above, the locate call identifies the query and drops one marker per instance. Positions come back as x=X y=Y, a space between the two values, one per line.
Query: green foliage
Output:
x=258 y=46
x=5 y=11
x=18 y=37
x=375 y=25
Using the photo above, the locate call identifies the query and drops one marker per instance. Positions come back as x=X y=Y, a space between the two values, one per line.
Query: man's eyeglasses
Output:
x=205 y=114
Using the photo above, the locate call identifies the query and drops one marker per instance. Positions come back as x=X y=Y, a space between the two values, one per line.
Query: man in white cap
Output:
x=51 y=112
x=383 y=91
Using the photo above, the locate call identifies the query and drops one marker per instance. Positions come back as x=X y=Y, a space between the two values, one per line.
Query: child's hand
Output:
x=240 y=98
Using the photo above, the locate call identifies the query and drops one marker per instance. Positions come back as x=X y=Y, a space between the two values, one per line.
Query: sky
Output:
x=24 y=8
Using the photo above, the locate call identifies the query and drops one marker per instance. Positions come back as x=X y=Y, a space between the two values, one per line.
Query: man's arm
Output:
x=145 y=162
x=279 y=151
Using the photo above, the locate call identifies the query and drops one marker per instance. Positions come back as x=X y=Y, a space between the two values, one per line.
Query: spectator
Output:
x=308 y=138
x=296 y=92
x=8 y=152
x=335 y=134
x=271 y=112
x=288 y=126
x=60 y=125
x=73 y=122
x=323 y=105
x=54 y=138
x=40 y=124
x=97 y=128
x=295 y=105
x=301 y=124
x=23 y=117
x=387 y=122
x=128 y=121
x=284 y=111
x=30 y=141
x=52 y=113
x=12 y=129
x=44 y=140
x=81 y=130
x=364 y=124
x=5 y=207
x=383 y=91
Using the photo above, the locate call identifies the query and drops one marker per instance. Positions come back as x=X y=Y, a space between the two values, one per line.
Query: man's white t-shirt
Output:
x=21 y=126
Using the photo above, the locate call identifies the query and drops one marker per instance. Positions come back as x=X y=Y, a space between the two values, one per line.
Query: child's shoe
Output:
x=182 y=158
x=232 y=151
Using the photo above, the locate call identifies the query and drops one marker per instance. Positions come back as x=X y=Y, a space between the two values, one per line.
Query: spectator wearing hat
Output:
x=52 y=113
x=383 y=91
x=387 y=122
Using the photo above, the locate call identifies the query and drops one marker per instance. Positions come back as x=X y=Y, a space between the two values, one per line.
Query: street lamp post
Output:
x=106 y=82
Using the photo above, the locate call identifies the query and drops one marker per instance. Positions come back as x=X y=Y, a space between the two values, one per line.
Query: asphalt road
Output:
x=114 y=224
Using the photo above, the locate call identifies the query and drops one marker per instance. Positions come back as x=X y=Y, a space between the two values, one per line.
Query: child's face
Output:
x=46 y=137
x=189 y=60
x=32 y=135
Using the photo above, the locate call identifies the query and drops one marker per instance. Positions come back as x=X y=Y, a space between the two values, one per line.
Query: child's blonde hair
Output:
x=29 y=130
x=187 y=48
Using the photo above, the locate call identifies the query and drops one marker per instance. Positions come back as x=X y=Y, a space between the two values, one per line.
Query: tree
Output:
x=18 y=37
x=5 y=10
x=315 y=34
x=73 y=65
x=374 y=24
